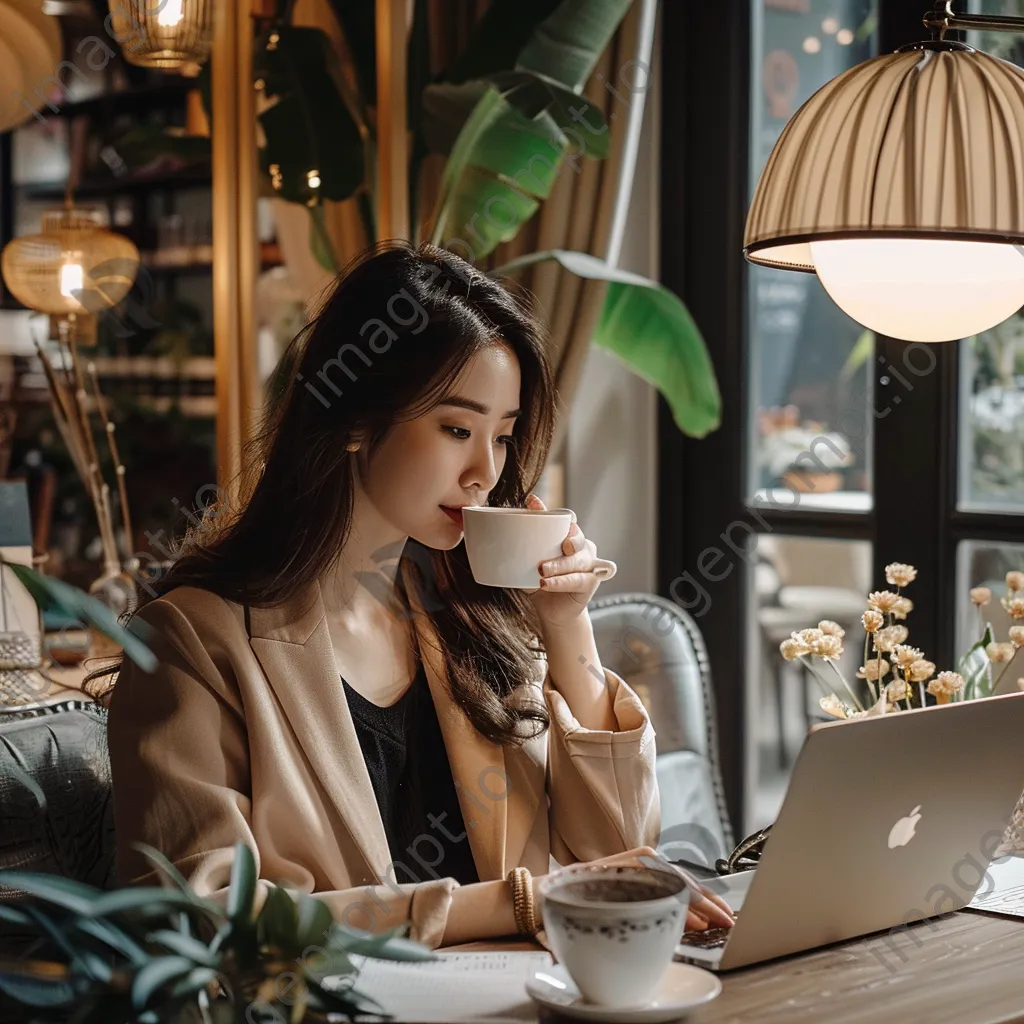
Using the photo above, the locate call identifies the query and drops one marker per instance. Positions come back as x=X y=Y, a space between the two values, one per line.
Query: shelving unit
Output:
x=155 y=354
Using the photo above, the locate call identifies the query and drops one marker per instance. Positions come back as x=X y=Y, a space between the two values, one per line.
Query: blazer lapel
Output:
x=294 y=649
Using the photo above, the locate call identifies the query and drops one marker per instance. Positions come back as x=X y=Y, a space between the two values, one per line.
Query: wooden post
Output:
x=393 y=20
x=235 y=252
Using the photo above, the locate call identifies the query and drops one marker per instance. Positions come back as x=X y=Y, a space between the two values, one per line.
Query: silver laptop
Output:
x=886 y=821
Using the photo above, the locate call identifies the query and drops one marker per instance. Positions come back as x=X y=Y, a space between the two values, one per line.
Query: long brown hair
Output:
x=409 y=320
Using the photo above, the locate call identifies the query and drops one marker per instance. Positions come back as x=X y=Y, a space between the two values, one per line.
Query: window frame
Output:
x=702 y=483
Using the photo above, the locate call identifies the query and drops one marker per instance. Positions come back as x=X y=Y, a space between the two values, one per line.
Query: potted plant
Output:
x=164 y=955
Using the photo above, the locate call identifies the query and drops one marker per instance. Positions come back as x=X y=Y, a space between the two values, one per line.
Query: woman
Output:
x=334 y=688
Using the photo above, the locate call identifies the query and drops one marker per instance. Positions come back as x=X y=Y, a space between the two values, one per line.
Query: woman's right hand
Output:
x=706 y=909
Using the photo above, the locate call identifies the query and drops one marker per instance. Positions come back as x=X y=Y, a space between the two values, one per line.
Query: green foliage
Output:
x=51 y=594
x=645 y=326
x=151 y=954
x=309 y=126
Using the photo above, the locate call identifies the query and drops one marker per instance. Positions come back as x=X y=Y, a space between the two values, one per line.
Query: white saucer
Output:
x=682 y=988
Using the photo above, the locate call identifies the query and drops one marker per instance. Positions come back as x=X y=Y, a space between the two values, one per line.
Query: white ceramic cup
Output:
x=616 y=951
x=505 y=546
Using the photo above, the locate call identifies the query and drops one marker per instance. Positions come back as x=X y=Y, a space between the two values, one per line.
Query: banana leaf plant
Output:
x=508 y=115
x=164 y=955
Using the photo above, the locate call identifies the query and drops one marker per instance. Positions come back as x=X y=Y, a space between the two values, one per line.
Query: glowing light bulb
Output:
x=170 y=14
x=844 y=37
x=812 y=44
x=830 y=26
x=71 y=280
x=922 y=289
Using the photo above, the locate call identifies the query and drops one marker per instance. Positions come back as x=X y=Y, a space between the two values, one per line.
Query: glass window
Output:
x=795 y=583
x=992 y=364
x=809 y=423
x=985 y=564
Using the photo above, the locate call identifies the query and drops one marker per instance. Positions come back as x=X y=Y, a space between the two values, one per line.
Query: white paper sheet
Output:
x=457 y=987
x=1006 y=893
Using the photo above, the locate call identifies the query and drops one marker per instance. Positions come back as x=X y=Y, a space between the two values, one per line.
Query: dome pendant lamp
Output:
x=900 y=183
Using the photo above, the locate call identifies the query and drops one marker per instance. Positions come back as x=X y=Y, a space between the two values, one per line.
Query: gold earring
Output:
x=353 y=446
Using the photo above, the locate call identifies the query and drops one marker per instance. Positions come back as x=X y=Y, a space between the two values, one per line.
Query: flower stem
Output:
x=821 y=682
x=994 y=684
x=849 y=690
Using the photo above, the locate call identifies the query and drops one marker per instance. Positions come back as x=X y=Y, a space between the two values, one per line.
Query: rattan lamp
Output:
x=901 y=184
x=170 y=34
x=73 y=269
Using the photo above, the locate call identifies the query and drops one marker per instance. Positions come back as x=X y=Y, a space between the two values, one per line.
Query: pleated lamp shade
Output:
x=73 y=266
x=901 y=184
x=173 y=34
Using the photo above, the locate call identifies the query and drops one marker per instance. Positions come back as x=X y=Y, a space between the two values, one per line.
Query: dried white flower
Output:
x=1015 y=608
x=921 y=670
x=791 y=649
x=905 y=656
x=808 y=636
x=981 y=595
x=883 y=600
x=873 y=669
x=829 y=647
x=902 y=608
x=830 y=628
x=999 y=653
x=1014 y=581
x=897 y=690
x=1017 y=636
x=873 y=620
x=833 y=706
x=945 y=686
x=887 y=639
x=898 y=574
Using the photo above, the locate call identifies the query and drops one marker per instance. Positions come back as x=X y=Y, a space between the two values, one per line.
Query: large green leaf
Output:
x=567 y=44
x=565 y=121
x=53 y=594
x=647 y=327
x=499 y=166
x=309 y=127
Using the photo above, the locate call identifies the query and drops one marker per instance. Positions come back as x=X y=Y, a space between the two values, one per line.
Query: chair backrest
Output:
x=62 y=747
x=658 y=649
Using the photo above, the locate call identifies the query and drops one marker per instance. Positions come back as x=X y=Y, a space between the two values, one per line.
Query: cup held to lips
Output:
x=615 y=928
x=505 y=546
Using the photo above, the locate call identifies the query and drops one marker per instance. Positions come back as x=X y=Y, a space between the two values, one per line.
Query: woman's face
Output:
x=448 y=457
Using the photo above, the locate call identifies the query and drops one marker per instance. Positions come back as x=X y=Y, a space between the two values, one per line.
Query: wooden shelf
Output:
x=189 y=177
x=144 y=98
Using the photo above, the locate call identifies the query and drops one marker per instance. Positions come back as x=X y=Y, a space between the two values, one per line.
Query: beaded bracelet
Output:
x=521 y=881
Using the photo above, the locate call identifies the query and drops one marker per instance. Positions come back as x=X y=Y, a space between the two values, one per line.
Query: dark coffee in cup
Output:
x=617 y=890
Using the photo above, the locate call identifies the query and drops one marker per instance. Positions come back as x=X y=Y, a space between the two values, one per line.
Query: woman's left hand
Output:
x=569 y=582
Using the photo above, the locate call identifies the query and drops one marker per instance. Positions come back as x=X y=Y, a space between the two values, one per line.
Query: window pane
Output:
x=984 y=564
x=795 y=583
x=992 y=419
x=809 y=425
x=992 y=364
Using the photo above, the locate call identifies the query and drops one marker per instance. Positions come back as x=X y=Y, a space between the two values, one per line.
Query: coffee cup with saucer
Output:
x=614 y=930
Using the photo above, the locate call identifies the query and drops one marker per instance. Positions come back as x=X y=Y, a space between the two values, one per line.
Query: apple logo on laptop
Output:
x=903 y=831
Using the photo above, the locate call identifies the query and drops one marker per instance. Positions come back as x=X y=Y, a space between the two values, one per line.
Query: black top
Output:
x=412 y=781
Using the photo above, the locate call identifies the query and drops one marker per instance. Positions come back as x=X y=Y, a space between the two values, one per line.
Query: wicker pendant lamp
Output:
x=170 y=34
x=73 y=269
x=901 y=184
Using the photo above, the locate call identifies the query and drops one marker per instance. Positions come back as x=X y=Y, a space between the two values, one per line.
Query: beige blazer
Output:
x=245 y=734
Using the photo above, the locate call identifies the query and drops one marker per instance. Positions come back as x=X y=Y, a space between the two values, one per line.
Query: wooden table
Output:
x=968 y=969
